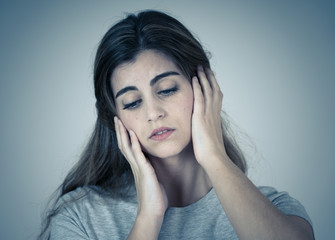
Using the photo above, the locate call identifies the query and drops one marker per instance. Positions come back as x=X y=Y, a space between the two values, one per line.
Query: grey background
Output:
x=274 y=61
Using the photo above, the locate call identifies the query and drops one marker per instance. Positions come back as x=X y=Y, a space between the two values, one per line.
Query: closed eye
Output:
x=132 y=105
x=168 y=92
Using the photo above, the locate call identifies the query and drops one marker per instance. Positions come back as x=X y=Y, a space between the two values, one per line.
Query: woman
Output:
x=161 y=162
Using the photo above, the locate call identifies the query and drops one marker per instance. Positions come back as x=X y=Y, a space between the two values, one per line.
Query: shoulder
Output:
x=284 y=202
x=278 y=198
x=90 y=197
x=80 y=213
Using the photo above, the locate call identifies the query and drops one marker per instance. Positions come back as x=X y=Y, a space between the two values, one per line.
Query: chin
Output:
x=163 y=152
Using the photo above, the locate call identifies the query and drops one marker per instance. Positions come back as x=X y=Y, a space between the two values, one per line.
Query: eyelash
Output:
x=163 y=93
x=131 y=105
x=168 y=92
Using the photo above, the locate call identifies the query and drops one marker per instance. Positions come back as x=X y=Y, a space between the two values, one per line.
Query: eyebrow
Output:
x=162 y=75
x=152 y=82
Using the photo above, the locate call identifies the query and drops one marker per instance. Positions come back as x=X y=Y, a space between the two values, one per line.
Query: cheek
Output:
x=188 y=107
x=133 y=122
x=187 y=111
x=184 y=106
x=129 y=121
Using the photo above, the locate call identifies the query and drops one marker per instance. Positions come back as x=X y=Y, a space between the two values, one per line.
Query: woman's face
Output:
x=155 y=100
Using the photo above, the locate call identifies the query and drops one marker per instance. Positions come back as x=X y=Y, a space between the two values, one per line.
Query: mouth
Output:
x=161 y=133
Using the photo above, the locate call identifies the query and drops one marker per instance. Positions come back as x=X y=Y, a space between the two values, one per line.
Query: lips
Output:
x=161 y=133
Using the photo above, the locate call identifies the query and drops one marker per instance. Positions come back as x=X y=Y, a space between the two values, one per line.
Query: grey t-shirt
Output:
x=97 y=216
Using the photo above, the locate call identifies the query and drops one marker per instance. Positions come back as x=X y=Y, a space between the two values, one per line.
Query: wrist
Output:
x=221 y=168
x=213 y=159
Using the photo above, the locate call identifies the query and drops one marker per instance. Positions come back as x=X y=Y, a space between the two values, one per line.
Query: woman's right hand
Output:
x=151 y=196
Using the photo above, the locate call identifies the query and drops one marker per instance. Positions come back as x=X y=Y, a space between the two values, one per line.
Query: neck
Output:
x=184 y=180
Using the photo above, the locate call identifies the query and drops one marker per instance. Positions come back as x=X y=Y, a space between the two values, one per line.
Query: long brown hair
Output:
x=101 y=163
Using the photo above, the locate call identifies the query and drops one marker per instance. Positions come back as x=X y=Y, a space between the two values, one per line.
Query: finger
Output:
x=117 y=131
x=198 y=107
x=217 y=93
x=124 y=140
x=122 y=146
x=212 y=79
x=136 y=147
x=206 y=87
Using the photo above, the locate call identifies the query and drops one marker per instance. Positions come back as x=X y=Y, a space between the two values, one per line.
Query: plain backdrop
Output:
x=274 y=61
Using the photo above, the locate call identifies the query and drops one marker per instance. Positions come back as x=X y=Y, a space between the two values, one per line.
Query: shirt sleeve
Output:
x=65 y=226
x=285 y=203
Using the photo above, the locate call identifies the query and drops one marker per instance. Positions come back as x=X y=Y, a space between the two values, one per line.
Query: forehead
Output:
x=146 y=66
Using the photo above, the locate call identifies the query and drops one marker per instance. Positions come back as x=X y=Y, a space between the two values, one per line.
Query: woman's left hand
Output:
x=206 y=120
x=238 y=196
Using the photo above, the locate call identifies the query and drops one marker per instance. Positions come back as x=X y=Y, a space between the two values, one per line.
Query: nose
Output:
x=155 y=111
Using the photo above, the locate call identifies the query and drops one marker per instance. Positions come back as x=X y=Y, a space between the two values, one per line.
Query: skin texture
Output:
x=157 y=109
x=178 y=171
